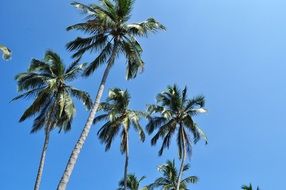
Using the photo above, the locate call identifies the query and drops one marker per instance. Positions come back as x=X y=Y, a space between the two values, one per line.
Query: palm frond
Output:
x=82 y=44
x=37 y=65
x=191 y=179
x=99 y=42
x=124 y=8
x=194 y=102
x=135 y=64
x=82 y=96
x=36 y=105
x=29 y=93
x=124 y=139
x=30 y=80
x=100 y=118
x=57 y=65
x=101 y=58
x=145 y=27
x=84 y=8
x=139 y=129
x=166 y=141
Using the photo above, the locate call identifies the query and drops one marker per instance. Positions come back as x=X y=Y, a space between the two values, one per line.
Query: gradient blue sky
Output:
x=233 y=52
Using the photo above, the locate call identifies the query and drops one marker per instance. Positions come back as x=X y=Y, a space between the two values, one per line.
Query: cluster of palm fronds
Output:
x=245 y=187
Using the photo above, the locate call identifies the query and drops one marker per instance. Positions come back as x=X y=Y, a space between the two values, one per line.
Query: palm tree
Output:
x=119 y=117
x=110 y=35
x=245 y=187
x=46 y=82
x=170 y=176
x=6 y=52
x=173 y=113
x=133 y=183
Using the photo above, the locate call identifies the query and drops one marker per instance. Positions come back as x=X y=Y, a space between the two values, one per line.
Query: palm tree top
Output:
x=246 y=187
x=174 y=111
x=111 y=34
x=133 y=183
x=47 y=82
x=118 y=115
x=111 y=17
x=169 y=177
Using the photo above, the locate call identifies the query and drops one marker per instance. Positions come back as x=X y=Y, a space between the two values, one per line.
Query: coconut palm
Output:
x=170 y=175
x=172 y=114
x=133 y=183
x=245 y=187
x=46 y=82
x=6 y=52
x=110 y=34
x=119 y=117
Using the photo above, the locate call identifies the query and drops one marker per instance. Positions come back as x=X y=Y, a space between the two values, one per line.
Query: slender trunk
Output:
x=126 y=162
x=182 y=161
x=42 y=161
x=45 y=148
x=76 y=151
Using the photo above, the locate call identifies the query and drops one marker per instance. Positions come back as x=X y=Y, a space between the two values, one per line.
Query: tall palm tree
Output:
x=111 y=35
x=245 y=187
x=170 y=175
x=119 y=117
x=6 y=52
x=174 y=113
x=46 y=82
x=133 y=183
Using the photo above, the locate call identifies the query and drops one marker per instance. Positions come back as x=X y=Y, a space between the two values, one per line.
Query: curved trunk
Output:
x=76 y=151
x=182 y=162
x=126 y=163
x=42 y=162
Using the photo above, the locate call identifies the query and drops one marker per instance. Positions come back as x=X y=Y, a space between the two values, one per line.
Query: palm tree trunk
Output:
x=126 y=162
x=182 y=161
x=42 y=162
x=76 y=151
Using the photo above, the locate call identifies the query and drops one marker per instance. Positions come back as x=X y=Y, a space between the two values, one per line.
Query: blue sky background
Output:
x=233 y=52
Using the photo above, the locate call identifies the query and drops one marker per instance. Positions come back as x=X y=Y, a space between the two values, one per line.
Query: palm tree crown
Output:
x=174 y=112
x=133 y=183
x=118 y=116
x=170 y=175
x=245 y=187
x=111 y=34
x=46 y=81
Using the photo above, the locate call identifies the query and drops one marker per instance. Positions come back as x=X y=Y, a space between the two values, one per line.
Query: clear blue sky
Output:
x=233 y=52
